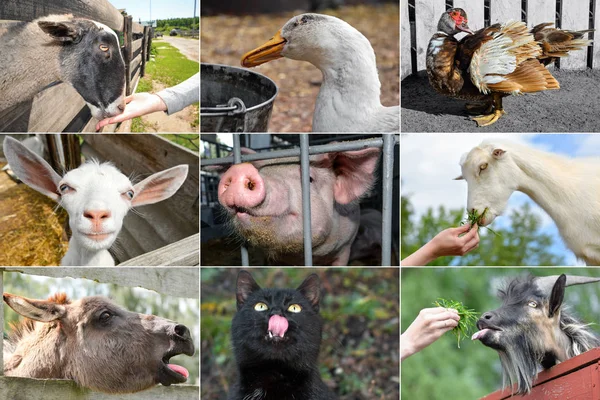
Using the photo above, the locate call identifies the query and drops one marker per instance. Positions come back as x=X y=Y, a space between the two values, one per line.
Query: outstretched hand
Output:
x=449 y=242
x=430 y=324
x=137 y=104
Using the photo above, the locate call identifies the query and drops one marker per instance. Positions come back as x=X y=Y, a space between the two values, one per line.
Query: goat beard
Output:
x=520 y=361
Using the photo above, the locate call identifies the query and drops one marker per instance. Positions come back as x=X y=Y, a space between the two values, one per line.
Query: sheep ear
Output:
x=459 y=178
x=31 y=168
x=557 y=295
x=498 y=153
x=62 y=31
x=246 y=285
x=37 y=310
x=159 y=186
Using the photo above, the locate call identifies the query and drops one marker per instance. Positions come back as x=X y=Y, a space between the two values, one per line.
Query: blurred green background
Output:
x=443 y=371
x=359 y=356
x=182 y=310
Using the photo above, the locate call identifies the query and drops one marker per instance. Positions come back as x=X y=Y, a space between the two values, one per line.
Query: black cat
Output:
x=276 y=335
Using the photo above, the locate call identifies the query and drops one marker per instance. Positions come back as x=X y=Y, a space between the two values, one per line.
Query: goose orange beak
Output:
x=267 y=52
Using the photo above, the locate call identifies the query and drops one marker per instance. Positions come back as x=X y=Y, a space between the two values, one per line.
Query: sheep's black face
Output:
x=91 y=61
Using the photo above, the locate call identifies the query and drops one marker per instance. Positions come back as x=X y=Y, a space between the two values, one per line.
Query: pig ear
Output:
x=246 y=285
x=37 y=310
x=311 y=289
x=159 y=186
x=31 y=168
x=355 y=173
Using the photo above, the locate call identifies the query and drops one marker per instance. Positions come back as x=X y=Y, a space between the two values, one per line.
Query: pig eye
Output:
x=532 y=304
x=261 y=306
x=295 y=308
x=483 y=167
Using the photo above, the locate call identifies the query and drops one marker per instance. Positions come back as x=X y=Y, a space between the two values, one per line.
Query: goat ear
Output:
x=37 y=310
x=62 y=31
x=31 y=168
x=498 y=153
x=311 y=289
x=246 y=285
x=459 y=178
x=557 y=295
x=159 y=186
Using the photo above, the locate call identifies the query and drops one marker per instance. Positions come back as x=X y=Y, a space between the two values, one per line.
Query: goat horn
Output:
x=546 y=283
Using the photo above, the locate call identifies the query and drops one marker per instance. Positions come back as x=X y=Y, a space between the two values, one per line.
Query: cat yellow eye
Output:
x=295 y=308
x=261 y=307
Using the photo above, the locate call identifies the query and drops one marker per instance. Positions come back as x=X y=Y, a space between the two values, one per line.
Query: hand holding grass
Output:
x=430 y=324
x=449 y=242
x=467 y=316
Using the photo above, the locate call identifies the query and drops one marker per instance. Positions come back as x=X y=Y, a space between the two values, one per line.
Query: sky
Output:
x=161 y=9
x=430 y=162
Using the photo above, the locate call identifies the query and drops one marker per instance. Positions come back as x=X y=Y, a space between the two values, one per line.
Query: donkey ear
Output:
x=557 y=295
x=246 y=285
x=31 y=168
x=498 y=153
x=159 y=186
x=37 y=310
x=311 y=289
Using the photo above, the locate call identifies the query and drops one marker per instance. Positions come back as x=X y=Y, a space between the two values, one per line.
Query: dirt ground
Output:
x=225 y=39
x=573 y=108
x=188 y=47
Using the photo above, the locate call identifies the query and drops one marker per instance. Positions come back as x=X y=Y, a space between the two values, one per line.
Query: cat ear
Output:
x=311 y=289
x=246 y=285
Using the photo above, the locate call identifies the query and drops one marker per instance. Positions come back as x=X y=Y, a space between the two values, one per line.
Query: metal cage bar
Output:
x=387 y=142
x=2 y=322
x=305 y=170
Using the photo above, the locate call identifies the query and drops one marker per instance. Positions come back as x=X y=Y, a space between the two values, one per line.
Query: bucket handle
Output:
x=234 y=106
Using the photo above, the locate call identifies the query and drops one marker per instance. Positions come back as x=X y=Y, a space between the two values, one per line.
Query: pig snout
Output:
x=242 y=187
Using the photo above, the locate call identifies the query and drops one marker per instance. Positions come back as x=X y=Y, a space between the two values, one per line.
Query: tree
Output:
x=522 y=243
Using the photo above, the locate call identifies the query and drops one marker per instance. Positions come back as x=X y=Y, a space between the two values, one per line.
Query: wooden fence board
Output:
x=48 y=115
x=57 y=389
x=427 y=15
x=178 y=282
x=575 y=16
x=539 y=11
x=136 y=45
x=406 y=66
x=137 y=28
x=185 y=252
x=505 y=10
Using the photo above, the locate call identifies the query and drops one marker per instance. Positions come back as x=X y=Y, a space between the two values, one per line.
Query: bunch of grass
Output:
x=473 y=217
x=468 y=318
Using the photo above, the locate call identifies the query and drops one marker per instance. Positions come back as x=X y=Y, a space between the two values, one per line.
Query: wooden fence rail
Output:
x=60 y=108
x=419 y=20
x=178 y=282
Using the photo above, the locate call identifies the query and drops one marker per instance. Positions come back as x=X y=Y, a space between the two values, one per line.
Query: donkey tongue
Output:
x=478 y=335
x=278 y=325
x=179 y=369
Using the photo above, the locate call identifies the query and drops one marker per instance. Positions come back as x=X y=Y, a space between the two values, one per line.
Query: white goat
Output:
x=96 y=197
x=81 y=52
x=567 y=189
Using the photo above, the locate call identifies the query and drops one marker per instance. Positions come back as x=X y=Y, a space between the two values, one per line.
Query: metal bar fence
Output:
x=387 y=142
x=305 y=170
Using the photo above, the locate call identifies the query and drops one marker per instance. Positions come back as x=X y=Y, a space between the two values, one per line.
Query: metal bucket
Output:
x=235 y=99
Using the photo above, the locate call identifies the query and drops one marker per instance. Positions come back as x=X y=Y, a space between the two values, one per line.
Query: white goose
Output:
x=349 y=99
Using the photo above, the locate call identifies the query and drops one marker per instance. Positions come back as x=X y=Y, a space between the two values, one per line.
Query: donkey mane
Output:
x=21 y=328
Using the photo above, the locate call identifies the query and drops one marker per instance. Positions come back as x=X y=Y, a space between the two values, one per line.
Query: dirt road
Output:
x=188 y=47
x=573 y=108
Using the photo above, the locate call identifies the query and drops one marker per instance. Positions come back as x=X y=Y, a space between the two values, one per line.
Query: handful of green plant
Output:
x=468 y=318
x=473 y=217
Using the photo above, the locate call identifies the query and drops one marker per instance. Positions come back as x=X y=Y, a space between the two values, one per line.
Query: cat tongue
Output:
x=278 y=325
x=179 y=369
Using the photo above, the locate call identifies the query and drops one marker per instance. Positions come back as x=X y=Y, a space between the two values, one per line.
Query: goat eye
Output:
x=64 y=188
x=129 y=194
x=104 y=47
x=532 y=304
x=483 y=166
x=295 y=308
x=260 y=306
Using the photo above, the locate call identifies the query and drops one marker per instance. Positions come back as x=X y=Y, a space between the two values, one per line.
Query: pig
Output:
x=263 y=200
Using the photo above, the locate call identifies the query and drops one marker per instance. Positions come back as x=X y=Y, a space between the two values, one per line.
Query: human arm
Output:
x=430 y=324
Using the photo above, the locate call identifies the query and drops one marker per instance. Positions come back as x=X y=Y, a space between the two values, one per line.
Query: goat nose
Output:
x=96 y=215
x=488 y=315
x=183 y=332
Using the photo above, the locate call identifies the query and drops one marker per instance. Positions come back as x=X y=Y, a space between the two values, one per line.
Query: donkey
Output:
x=533 y=329
x=94 y=342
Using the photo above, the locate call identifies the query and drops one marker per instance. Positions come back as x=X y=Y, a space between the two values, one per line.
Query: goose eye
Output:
x=104 y=47
x=483 y=166
x=532 y=304
x=261 y=307
x=295 y=308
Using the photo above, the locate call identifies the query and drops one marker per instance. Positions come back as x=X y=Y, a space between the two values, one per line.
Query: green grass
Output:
x=468 y=317
x=188 y=140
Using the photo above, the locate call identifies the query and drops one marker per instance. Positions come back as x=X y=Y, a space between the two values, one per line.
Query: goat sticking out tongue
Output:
x=278 y=325
x=478 y=335
x=179 y=369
